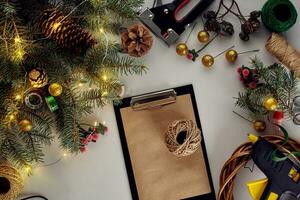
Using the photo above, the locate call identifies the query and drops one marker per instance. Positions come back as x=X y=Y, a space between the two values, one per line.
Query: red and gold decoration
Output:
x=55 y=89
x=137 y=40
x=25 y=125
x=270 y=91
x=38 y=78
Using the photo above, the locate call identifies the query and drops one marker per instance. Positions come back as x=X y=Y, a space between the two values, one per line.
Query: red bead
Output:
x=252 y=85
x=189 y=56
x=239 y=70
x=278 y=115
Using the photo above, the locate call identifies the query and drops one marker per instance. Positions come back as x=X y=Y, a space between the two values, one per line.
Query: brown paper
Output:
x=159 y=175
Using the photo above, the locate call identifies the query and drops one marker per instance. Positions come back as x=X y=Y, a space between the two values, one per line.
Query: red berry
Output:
x=189 y=56
x=95 y=137
x=252 y=85
x=85 y=141
x=246 y=72
x=278 y=115
x=83 y=149
x=89 y=137
x=105 y=129
x=239 y=70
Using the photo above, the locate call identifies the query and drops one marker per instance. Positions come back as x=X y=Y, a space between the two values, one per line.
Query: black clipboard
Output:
x=126 y=102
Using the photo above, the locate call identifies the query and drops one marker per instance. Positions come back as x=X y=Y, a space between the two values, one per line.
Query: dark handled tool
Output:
x=163 y=22
x=283 y=178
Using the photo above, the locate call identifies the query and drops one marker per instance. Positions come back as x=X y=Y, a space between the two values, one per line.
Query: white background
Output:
x=100 y=173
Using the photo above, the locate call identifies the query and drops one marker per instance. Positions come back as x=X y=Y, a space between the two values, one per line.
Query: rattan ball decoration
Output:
x=11 y=182
x=239 y=159
x=183 y=137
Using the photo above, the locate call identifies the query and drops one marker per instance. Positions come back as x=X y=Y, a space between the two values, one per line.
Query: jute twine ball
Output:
x=11 y=182
x=183 y=137
x=279 y=47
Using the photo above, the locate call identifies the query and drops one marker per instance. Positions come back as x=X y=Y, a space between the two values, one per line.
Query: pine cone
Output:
x=64 y=31
x=137 y=40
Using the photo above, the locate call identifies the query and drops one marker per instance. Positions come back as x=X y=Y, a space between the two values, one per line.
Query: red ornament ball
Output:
x=278 y=115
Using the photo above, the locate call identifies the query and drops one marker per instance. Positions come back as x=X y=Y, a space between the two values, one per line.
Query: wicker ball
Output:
x=183 y=137
x=12 y=180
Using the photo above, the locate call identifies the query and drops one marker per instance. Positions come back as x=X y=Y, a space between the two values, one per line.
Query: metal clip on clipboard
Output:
x=153 y=100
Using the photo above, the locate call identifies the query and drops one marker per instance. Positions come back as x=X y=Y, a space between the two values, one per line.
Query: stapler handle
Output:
x=193 y=14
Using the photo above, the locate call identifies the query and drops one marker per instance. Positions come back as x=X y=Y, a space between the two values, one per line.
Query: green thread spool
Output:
x=279 y=15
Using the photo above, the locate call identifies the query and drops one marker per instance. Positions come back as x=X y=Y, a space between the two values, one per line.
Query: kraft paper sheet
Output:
x=159 y=175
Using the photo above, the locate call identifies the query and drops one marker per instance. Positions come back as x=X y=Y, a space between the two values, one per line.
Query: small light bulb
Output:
x=19 y=53
x=90 y=88
x=65 y=154
x=104 y=122
x=17 y=40
x=105 y=93
x=101 y=30
x=104 y=77
x=80 y=84
x=12 y=117
x=96 y=123
x=28 y=169
x=18 y=97
x=56 y=25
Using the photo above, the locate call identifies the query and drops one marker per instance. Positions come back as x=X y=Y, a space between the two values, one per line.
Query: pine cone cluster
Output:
x=64 y=31
x=137 y=40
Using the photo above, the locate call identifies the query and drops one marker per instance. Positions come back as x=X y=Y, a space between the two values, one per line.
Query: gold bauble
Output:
x=259 y=126
x=270 y=104
x=55 y=89
x=208 y=60
x=38 y=78
x=231 y=55
x=182 y=49
x=25 y=125
x=203 y=36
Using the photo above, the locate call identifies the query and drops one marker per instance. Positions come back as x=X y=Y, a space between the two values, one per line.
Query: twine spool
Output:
x=11 y=182
x=183 y=137
x=239 y=159
x=279 y=15
x=284 y=52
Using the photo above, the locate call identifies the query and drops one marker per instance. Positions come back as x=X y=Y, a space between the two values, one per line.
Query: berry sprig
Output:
x=91 y=135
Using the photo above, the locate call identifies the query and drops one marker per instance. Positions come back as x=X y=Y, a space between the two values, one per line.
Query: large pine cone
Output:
x=137 y=40
x=64 y=31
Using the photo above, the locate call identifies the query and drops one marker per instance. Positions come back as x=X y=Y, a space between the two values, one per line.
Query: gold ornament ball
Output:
x=270 y=104
x=231 y=55
x=208 y=60
x=25 y=125
x=259 y=126
x=182 y=49
x=203 y=36
x=55 y=89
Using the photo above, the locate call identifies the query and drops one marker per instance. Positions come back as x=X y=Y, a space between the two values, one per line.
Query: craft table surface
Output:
x=100 y=173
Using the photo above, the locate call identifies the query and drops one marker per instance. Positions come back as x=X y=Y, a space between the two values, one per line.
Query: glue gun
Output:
x=283 y=178
x=163 y=22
